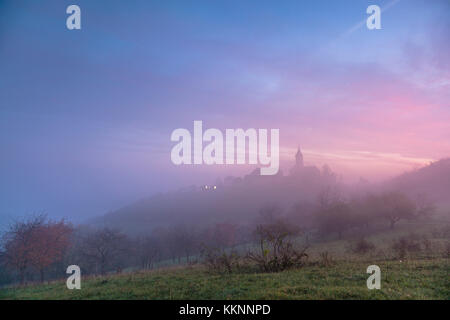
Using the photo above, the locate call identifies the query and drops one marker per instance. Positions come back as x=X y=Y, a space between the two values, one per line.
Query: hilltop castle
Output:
x=300 y=168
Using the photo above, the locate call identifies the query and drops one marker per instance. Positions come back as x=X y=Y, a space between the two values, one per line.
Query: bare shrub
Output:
x=219 y=260
x=447 y=250
x=427 y=245
x=362 y=246
x=406 y=245
x=326 y=259
x=276 y=251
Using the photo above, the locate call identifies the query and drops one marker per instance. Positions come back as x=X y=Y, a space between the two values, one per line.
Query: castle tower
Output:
x=299 y=159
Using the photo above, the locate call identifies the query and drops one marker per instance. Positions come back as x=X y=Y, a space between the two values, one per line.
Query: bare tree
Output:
x=104 y=248
x=221 y=235
x=334 y=218
x=328 y=196
x=270 y=213
x=424 y=206
x=394 y=206
x=186 y=241
x=148 y=250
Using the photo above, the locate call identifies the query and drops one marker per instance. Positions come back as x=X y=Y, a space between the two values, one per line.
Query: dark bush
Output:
x=276 y=251
x=220 y=260
x=326 y=259
x=406 y=245
x=362 y=246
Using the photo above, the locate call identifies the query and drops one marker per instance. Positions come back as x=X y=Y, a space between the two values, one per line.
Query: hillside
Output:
x=433 y=180
x=238 y=200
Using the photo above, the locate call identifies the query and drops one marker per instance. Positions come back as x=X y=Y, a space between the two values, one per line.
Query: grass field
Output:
x=414 y=279
x=422 y=276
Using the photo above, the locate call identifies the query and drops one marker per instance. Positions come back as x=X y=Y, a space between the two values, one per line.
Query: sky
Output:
x=86 y=115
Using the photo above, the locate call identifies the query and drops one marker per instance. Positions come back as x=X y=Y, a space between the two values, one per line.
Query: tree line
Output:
x=39 y=248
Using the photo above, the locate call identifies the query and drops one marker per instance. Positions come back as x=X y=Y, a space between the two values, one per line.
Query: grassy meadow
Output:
x=422 y=275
